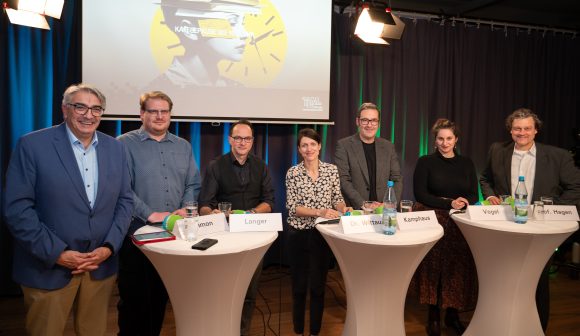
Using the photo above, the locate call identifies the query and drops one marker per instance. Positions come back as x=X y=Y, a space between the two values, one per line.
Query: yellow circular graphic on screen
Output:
x=165 y=45
x=263 y=56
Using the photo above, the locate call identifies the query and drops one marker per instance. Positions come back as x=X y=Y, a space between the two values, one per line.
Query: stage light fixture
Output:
x=369 y=30
x=32 y=13
x=376 y=23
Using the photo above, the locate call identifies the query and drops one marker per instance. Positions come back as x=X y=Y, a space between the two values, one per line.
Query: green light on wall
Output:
x=423 y=135
x=360 y=83
x=323 y=135
x=403 y=147
x=393 y=119
x=379 y=102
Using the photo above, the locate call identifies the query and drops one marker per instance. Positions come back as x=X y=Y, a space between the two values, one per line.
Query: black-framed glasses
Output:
x=238 y=139
x=82 y=109
x=159 y=112
x=372 y=122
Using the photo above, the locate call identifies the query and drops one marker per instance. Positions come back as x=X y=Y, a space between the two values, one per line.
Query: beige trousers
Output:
x=48 y=310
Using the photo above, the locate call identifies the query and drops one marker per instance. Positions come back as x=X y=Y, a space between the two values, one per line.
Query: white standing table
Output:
x=207 y=288
x=510 y=258
x=377 y=270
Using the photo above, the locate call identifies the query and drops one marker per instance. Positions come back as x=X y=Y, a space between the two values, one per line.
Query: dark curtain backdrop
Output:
x=474 y=76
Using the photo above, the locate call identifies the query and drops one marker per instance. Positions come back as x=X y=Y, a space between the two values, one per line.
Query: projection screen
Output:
x=266 y=60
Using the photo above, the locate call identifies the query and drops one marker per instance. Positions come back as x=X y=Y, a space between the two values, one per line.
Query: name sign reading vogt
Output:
x=490 y=212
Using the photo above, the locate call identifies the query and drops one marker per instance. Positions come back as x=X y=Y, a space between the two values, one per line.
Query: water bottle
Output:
x=521 y=202
x=390 y=210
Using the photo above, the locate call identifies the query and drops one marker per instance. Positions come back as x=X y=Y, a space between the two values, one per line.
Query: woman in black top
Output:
x=442 y=181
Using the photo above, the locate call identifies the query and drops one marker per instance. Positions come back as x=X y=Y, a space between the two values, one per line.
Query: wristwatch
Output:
x=253 y=210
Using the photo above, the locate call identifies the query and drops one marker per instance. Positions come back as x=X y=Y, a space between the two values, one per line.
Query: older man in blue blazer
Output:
x=366 y=162
x=68 y=206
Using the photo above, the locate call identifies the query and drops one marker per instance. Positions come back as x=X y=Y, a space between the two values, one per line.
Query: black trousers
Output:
x=309 y=261
x=142 y=295
x=543 y=296
x=250 y=300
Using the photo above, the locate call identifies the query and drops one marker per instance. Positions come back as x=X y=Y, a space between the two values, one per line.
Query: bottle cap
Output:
x=521 y=178
x=390 y=183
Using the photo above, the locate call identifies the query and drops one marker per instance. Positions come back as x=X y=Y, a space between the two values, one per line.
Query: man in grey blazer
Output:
x=366 y=162
x=548 y=171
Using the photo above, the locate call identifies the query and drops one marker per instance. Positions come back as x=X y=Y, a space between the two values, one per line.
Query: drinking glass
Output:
x=505 y=199
x=188 y=228
x=191 y=209
x=538 y=210
x=367 y=207
x=406 y=206
x=225 y=207
x=547 y=200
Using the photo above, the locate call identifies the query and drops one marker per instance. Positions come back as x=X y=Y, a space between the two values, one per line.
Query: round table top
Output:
x=401 y=238
x=531 y=227
x=228 y=242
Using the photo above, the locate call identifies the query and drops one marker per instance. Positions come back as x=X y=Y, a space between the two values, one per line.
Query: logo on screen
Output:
x=312 y=104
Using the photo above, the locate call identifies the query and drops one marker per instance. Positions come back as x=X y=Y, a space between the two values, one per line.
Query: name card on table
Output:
x=560 y=212
x=418 y=220
x=490 y=212
x=205 y=224
x=256 y=222
x=360 y=224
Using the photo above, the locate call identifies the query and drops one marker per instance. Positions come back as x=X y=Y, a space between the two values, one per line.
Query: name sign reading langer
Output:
x=560 y=213
x=490 y=212
x=256 y=222
x=360 y=224
x=417 y=220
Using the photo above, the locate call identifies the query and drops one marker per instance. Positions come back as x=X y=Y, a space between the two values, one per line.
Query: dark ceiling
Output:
x=561 y=14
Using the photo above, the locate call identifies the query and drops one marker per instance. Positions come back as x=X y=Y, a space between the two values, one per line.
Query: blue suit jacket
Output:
x=47 y=209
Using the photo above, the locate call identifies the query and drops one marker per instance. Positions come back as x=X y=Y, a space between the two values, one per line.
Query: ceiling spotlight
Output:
x=32 y=13
x=375 y=23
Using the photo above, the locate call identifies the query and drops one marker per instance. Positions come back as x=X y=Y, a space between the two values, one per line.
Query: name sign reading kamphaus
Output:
x=490 y=212
x=360 y=224
x=417 y=220
x=256 y=222
x=560 y=212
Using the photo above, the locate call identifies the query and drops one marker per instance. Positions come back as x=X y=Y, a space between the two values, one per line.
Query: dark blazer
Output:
x=556 y=174
x=47 y=209
x=354 y=174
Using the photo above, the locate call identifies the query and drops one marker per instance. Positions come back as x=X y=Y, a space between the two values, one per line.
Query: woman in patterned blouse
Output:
x=312 y=190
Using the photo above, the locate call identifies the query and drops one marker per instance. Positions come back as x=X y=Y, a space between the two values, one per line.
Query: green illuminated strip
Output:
x=393 y=119
x=380 y=102
x=323 y=135
x=360 y=84
x=404 y=129
x=423 y=135
x=294 y=148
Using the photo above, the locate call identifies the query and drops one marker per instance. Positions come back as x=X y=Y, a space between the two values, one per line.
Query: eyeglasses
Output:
x=163 y=113
x=525 y=129
x=239 y=140
x=82 y=109
x=372 y=122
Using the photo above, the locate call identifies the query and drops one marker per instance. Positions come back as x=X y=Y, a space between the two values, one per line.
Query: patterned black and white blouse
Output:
x=302 y=191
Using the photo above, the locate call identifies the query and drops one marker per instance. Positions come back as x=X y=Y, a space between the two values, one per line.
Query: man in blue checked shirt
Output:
x=164 y=176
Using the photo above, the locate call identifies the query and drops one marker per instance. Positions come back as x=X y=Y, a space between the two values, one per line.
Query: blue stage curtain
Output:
x=474 y=76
